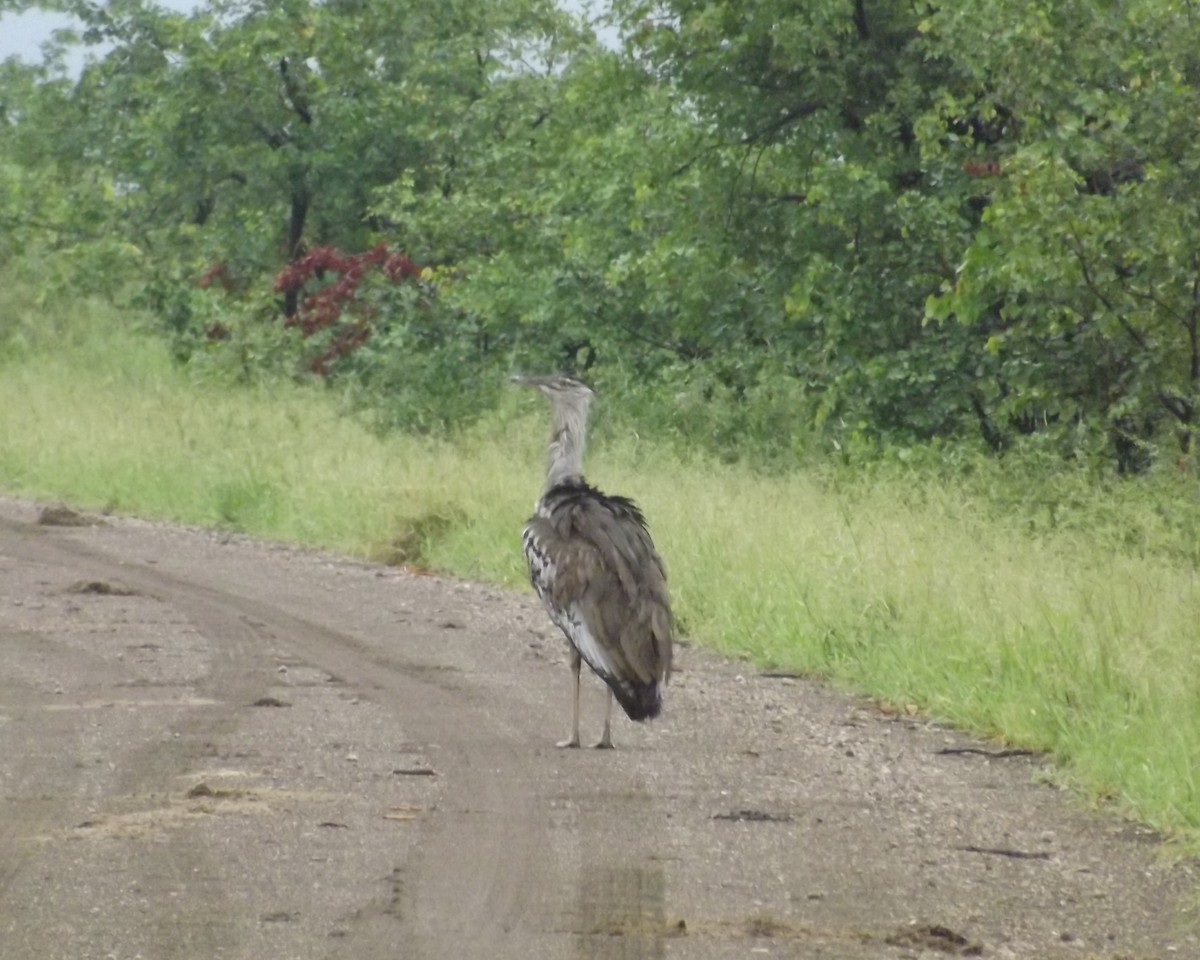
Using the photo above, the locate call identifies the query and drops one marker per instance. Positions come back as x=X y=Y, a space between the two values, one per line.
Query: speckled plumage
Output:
x=593 y=564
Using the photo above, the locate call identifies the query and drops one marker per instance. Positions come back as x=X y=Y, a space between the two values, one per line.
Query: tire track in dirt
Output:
x=27 y=810
x=481 y=860
x=478 y=868
x=477 y=871
x=762 y=814
x=40 y=792
x=146 y=775
x=621 y=913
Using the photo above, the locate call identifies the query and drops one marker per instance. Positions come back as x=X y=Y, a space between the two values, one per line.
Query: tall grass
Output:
x=99 y=414
x=1065 y=620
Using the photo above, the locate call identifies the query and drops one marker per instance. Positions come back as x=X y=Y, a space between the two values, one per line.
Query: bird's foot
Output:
x=604 y=743
x=571 y=744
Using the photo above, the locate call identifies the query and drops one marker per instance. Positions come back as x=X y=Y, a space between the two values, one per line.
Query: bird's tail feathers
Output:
x=640 y=701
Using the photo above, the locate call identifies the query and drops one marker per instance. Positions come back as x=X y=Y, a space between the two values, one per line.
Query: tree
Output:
x=888 y=223
x=951 y=227
x=245 y=134
x=248 y=130
x=1084 y=274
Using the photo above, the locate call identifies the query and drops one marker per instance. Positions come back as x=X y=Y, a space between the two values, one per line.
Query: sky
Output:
x=23 y=34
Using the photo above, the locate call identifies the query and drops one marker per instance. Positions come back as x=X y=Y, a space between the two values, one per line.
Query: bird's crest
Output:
x=557 y=384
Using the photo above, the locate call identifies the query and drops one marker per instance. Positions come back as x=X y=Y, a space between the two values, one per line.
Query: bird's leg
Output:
x=574 y=739
x=605 y=741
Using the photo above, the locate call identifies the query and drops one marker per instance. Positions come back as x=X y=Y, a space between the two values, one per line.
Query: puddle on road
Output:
x=620 y=913
x=621 y=916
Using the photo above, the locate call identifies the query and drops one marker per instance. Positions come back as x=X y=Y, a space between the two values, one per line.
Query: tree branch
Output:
x=860 y=20
x=1192 y=323
x=790 y=116
x=1137 y=336
x=293 y=96
x=1179 y=407
x=274 y=138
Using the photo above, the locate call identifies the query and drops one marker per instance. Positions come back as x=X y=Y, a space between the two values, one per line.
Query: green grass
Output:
x=108 y=421
x=1064 y=621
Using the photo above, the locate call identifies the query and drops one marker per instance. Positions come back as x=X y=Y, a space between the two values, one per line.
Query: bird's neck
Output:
x=564 y=460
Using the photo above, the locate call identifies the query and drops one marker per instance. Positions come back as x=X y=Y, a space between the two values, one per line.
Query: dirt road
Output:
x=212 y=747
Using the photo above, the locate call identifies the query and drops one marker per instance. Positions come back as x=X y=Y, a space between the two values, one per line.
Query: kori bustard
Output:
x=592 y=562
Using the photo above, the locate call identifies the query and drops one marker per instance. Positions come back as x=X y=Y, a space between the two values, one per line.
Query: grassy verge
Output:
x=1076 y=636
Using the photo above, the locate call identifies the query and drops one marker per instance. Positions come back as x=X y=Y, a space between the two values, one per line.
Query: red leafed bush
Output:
x=218 y=274
x=982 y=168
x=338 y=302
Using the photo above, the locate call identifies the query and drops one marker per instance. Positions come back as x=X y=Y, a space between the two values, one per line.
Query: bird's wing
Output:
x=609 y=589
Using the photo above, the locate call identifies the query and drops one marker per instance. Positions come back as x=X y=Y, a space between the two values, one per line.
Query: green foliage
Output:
x=1083 y=273
x=245 y=131
x=873 y=222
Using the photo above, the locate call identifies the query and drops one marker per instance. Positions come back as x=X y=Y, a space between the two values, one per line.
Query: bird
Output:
x=594 y=565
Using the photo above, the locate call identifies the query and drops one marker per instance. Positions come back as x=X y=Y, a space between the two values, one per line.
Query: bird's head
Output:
x=559 y=390
x=569 y=401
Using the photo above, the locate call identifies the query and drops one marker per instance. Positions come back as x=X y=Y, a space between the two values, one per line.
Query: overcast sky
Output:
x=23 y=34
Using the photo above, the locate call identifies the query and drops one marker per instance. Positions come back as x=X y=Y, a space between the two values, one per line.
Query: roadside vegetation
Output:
x=893 y=310
x=1030 y=602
